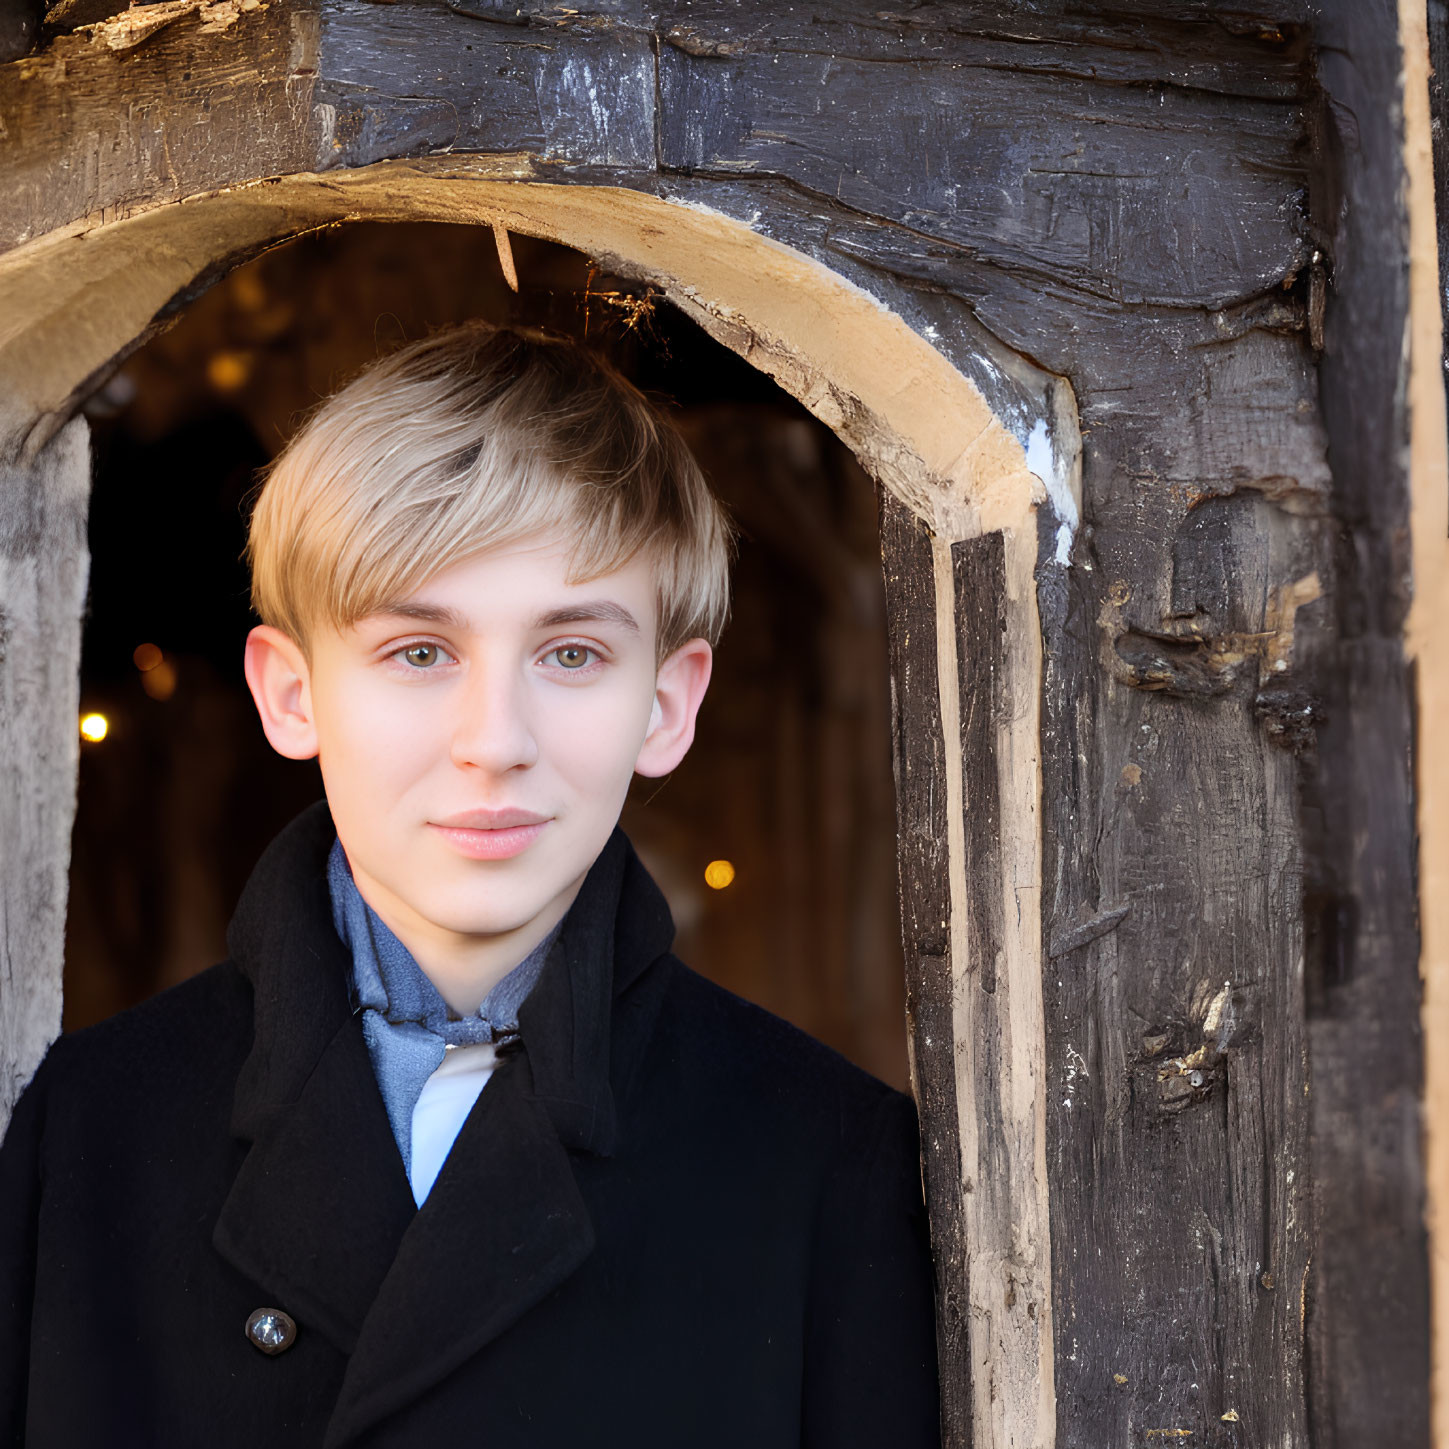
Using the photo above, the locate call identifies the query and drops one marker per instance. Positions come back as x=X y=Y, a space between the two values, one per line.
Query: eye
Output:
x=420 y=656
x=572 y=657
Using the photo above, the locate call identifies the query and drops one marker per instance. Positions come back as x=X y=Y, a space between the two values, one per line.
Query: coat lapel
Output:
x=321 y=1201
x=503 y=1226
x=320 y=1213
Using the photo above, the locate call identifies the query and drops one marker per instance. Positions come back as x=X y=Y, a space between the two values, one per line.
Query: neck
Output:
x=463 y=967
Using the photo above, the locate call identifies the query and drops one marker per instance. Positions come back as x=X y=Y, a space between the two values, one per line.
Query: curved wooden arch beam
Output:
x=76 y=300
x=961 y=548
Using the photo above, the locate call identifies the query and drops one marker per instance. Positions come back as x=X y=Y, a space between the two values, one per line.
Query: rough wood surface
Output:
x=43 y=567
x=1119 y=196
x=164 y=115
x=919 y=760
x=1368 y=1306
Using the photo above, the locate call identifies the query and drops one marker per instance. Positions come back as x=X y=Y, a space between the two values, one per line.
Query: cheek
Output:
x=376 y=737
x=598 y=745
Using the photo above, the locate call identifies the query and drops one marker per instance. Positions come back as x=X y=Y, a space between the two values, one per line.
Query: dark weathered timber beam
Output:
x=1111 y=212
x=1261 y=59
x=101 y=123
x=1032 y=155
x=1099 y=184
x=919 y=762
x=565 y=96
x=1367 y=1300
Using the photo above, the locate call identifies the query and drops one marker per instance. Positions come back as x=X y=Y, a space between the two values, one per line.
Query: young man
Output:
x=451 y=1148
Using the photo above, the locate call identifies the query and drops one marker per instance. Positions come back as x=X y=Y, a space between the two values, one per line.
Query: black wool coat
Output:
x=671 y=1221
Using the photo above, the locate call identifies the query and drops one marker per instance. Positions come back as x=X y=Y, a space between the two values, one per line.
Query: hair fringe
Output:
x=479 y=437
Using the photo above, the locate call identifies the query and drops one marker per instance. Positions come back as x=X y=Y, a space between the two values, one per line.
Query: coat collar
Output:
x=320 y=1214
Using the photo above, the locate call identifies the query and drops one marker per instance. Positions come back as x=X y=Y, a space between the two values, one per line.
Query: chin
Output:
x=490 y=927
x=464 y=921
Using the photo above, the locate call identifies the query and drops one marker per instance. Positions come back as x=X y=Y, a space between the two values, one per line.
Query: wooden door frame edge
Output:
x=918 y=425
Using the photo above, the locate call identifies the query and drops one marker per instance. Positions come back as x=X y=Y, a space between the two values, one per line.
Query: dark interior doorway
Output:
x=789 y=779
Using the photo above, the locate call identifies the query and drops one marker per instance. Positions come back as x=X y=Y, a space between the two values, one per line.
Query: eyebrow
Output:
x=592 y=610
x=425 y=613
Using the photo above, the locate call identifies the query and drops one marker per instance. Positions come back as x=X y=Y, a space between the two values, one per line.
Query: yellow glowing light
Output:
x=227 y=371
x=146 y=656
x=160 y=682
x=93 y=727
x=248 y=289
x=718 y=874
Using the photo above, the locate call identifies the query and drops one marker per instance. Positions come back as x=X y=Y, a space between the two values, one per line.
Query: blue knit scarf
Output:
x=406 y=1023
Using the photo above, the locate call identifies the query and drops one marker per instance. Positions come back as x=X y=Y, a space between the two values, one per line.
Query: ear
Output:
x=281 y=686
x=678 y=693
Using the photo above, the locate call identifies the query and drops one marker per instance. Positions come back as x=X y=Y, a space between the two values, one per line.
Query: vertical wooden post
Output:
x=966 y=663
x=44 y=565
x=1367 y=1301
x=918 y=755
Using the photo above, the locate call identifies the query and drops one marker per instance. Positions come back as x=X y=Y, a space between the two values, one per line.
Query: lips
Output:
x=491 y=834
x=490 y=820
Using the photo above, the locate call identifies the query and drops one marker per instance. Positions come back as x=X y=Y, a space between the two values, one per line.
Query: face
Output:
x=478 y=736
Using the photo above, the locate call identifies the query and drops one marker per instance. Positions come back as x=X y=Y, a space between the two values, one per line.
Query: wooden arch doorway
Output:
x=963 y=478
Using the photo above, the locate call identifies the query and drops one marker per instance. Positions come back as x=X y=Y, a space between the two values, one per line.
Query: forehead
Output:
x=529 y=585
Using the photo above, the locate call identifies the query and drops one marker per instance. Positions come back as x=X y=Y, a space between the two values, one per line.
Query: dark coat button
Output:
x=271 y=1330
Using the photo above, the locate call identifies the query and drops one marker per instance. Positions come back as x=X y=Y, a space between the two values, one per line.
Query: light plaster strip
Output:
x=1007 y=1223
x=1428 y=646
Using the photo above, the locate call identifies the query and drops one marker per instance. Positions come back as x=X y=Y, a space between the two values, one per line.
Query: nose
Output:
x=493 y=730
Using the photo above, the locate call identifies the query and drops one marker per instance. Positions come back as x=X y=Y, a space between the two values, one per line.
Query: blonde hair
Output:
x=474 y=438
